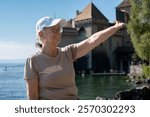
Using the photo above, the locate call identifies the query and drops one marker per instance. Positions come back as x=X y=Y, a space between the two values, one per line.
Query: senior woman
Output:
x=49 y=73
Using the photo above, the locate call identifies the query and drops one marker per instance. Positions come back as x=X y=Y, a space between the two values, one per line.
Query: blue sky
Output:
x=18 y=19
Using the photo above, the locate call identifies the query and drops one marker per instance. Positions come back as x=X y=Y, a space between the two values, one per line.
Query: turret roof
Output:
x=90 y=12
x=124 y=3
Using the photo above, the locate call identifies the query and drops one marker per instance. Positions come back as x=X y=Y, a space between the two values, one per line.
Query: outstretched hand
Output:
x=119 y=25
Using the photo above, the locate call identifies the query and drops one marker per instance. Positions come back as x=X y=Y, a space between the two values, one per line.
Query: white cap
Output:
x=49 y=22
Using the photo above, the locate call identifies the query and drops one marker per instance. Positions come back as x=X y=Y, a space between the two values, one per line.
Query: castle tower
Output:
x=115 y=53
x=91 y=19
x=87 y=22
x=125 y=51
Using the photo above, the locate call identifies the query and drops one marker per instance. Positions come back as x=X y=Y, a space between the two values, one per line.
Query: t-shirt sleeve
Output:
x=30 y=69
x=72 y=50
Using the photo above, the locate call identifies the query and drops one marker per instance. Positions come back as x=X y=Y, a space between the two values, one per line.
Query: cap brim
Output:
x=61 y=22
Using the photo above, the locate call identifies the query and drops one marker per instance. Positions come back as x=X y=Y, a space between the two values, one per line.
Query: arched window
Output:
x=82 y=33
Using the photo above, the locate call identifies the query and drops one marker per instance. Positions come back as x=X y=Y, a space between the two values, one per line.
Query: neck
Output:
x=50 y=51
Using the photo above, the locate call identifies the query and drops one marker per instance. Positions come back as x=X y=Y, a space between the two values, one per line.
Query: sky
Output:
x=18 y=19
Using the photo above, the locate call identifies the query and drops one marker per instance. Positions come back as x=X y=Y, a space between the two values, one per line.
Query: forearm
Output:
x=87 y=45
x=32 y=89
x=103 y=35
x=30 y=96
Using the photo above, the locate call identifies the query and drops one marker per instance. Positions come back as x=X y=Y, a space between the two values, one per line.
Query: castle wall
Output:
x=113 y=54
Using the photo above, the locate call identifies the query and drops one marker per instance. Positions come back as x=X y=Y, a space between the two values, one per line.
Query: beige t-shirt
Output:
x=56 y=74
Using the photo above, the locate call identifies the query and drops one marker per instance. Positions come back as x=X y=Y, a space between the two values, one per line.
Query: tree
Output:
x=139 y=28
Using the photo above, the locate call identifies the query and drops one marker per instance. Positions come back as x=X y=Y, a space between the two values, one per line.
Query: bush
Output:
x=146 y=71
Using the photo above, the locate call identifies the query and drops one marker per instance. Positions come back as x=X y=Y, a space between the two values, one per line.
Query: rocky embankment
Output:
x=138 y=93
x=141 y=90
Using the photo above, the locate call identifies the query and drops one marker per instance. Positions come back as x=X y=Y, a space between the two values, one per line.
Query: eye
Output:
x=57 y=29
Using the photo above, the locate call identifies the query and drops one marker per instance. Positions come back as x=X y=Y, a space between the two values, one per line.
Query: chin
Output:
x=57 y=41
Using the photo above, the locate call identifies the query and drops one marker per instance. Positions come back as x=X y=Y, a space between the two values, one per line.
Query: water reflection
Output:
x=89 y=87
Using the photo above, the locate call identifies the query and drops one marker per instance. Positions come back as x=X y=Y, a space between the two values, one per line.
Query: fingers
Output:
x=123 y=10
x=119 y=24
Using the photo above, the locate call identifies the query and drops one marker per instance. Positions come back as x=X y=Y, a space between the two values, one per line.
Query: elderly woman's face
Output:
x=52 y=34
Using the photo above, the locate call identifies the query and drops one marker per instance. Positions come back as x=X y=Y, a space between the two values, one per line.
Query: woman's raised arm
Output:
x=97 y=38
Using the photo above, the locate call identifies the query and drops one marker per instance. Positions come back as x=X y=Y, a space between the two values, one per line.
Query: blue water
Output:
x=104 y=86
x=12 y=84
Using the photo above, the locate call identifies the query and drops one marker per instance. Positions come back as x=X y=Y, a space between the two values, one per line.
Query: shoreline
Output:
x=108 y=74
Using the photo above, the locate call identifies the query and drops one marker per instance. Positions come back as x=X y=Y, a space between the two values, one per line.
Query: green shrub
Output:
x=146 y=71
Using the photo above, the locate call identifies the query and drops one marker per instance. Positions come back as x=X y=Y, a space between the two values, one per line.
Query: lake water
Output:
x=12 y=85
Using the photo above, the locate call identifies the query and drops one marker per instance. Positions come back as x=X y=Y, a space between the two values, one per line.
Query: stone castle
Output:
x=114 y=55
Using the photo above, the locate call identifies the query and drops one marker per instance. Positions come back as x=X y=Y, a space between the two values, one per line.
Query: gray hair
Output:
x=38 y=42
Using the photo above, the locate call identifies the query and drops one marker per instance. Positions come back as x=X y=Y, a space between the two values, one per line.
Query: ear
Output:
x=40 y=34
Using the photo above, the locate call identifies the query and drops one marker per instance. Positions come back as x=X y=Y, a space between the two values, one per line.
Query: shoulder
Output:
x=68 y=47
x=70 y=50
x=31 y=62
x=31 y=68
x=33 y=56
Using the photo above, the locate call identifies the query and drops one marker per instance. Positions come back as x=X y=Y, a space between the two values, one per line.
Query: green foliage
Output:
x=146 y=71
x=139 y=27
x=135 y=58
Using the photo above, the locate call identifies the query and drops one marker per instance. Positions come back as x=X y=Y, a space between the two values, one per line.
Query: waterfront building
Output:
x=114 y=55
